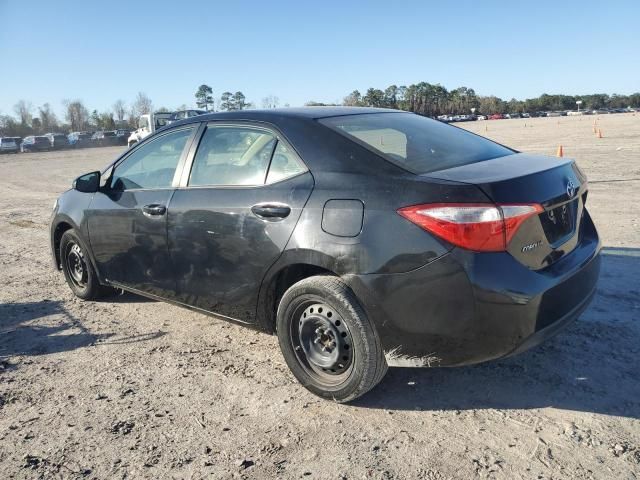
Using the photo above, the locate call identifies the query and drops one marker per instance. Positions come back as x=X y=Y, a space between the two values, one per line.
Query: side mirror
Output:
x=88 y=183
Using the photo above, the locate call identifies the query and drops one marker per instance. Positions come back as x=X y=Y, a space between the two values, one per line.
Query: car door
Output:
x=127 y=219
x=237 y=205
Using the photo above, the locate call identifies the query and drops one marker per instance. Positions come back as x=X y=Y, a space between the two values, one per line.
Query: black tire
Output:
x=78 y=270
x=319 y=318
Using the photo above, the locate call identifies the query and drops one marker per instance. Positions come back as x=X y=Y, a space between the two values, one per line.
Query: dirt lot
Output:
x=131 y=388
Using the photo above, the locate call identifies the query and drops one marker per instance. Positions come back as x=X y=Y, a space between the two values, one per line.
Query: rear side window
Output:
x=232 y=156
x=417 y=144
x=285 y=164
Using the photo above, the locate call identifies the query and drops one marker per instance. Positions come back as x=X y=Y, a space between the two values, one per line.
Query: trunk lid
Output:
x=555 y=183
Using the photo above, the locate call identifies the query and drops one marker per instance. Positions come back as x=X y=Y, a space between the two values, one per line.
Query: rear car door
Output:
x=127 y=219
x=232 y=216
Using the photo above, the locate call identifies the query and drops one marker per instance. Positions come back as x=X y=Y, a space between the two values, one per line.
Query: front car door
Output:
x=232 y=216
x=127 y=219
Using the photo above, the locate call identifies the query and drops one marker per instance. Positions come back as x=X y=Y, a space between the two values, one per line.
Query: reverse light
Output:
x=481 y=227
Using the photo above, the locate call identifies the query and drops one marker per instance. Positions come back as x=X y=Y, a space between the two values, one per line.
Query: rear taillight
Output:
x=482 y=227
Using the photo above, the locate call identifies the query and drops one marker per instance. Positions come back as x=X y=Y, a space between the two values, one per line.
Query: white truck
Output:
x=147 y=124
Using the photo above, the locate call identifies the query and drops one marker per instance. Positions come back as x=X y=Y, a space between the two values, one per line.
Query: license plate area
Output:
x=559 y=223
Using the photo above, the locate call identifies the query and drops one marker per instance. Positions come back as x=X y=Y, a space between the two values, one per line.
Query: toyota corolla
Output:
x=364 y=238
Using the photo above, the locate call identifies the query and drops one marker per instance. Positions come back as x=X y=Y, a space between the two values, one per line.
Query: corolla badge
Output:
x=571 y=189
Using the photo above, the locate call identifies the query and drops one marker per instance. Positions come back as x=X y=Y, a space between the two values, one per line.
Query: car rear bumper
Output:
x=466 y=307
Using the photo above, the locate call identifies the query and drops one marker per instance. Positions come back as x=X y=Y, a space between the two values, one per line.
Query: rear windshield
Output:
x=109 y=134
x=417 y=144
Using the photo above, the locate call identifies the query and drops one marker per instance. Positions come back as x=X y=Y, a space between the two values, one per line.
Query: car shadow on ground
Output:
x=589 y=367
x=45 y=327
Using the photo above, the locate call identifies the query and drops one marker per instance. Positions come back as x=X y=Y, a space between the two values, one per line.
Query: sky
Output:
x=302 y=50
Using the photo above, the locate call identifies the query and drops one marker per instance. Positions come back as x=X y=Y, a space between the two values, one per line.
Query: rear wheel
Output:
x=327 y=339
x=78 y=270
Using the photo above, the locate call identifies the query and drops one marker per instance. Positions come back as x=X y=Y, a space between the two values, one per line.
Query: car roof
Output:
x=279 y=113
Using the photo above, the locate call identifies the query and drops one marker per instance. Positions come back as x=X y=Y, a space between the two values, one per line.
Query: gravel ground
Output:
x=132 y=388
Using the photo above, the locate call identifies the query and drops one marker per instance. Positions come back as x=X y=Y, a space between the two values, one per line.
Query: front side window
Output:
x=232 y=156
x=417 y=144
x=153 y=164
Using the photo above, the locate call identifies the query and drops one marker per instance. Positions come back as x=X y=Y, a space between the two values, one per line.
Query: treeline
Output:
x=77 y=116
x=433 y=100
x=422 y=98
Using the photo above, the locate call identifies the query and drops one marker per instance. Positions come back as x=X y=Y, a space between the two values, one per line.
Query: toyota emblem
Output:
x=571 y=189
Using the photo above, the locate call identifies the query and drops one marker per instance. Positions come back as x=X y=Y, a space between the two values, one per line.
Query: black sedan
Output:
x=362 y=237
x=121 y=136
x=58 y=141
x=104 y=139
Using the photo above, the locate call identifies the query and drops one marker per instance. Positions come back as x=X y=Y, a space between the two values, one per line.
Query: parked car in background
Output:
x=35 y=143
x=286 y=221
x=9 y=144
x=58 y=140
x=496 y=116
x=148 y=124
x=122 y=136
x=182 y=114
x=481 y=117
x=79 y=139
x=104 y=139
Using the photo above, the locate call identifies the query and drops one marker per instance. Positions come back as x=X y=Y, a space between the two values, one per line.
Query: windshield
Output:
x=417 y=144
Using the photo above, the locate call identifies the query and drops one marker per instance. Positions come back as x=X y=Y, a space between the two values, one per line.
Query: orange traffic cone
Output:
x=560 y=152
x=600 y=133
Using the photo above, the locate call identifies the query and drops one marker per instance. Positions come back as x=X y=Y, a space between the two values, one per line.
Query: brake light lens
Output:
x=481 y=227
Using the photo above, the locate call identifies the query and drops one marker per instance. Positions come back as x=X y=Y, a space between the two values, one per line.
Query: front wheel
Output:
x=327 y=339
x=78 y=270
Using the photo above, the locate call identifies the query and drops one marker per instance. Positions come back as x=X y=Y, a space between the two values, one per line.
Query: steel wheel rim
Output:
x=76 y=265
x=322 y=342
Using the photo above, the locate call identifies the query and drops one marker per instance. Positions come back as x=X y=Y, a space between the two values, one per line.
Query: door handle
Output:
x=271 y=210
x=154 y=209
